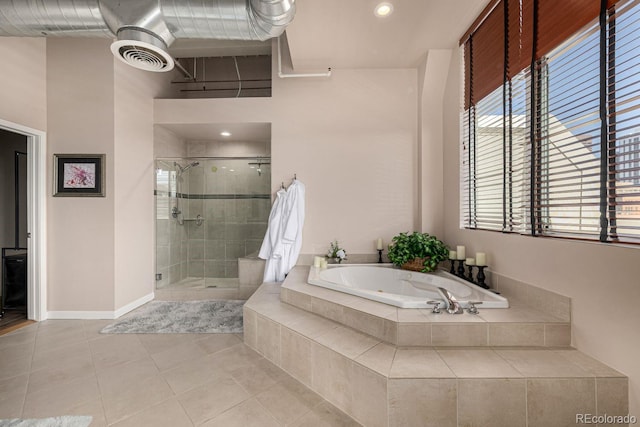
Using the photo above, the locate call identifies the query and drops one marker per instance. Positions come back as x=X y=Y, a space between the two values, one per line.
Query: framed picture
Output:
x=78 y=175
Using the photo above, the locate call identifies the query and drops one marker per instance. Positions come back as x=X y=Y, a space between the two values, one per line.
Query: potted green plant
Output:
x=417 y=251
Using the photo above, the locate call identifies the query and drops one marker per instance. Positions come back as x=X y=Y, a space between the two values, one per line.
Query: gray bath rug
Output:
x=181 y=317
x=65 y=421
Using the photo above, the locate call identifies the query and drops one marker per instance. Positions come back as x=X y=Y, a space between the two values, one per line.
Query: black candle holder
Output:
x=461 y=268
x=481 y=277
x=470 y=276
x=379 y=256
x=453 y=266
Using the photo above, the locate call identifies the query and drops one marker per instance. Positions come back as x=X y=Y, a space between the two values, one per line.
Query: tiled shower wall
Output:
x=234 y=201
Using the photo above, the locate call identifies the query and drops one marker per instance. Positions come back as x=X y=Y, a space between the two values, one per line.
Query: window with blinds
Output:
x=551 y=120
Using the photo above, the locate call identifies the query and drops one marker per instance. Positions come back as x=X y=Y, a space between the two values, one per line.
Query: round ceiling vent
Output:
x=142 y=50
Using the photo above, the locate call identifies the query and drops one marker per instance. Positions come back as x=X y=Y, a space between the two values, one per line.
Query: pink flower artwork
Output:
x=79 y=175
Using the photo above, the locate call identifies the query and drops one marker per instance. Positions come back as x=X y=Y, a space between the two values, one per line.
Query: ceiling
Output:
x=347 y=34
x=240 y=132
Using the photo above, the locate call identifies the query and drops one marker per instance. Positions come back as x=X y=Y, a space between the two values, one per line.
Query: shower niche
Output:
x=211 y=213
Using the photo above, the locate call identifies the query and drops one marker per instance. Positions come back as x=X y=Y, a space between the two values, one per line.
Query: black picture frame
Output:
x=78 y=175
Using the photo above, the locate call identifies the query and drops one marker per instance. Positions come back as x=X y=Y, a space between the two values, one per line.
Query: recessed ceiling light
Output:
x=383 y=10
x=225 y=133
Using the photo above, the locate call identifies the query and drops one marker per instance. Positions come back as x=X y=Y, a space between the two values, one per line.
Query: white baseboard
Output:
x=92 y=315
x=133 y=305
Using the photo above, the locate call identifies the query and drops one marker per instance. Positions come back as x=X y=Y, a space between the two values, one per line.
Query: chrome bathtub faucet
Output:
x=453 y=306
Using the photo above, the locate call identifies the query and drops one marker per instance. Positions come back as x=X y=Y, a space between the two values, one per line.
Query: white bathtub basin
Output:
x=405 y=289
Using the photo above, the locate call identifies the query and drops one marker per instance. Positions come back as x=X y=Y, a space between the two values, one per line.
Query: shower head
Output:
x=182 y=170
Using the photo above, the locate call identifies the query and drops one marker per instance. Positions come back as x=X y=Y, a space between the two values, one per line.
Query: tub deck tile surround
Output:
x=515 y=326
x=379 y=382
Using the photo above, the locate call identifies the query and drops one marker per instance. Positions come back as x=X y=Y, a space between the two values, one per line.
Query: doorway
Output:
x=13 y=228
x=22 y=221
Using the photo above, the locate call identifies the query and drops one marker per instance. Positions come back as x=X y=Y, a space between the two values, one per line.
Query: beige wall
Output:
x=167 y=143
x=352 y=140
x=23 y=76
x=601 y=279
x=80 y=117
x=133 y=171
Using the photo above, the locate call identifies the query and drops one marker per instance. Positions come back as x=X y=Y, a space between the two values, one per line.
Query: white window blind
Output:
x=569 y=138
x=554 y=150
x=623 y=92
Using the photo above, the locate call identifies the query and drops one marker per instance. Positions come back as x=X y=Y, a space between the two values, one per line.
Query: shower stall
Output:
x=210 y=212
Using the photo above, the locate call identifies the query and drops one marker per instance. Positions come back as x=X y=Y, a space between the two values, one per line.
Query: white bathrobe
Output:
x=293 y=221
x=283 y=239
x=271 y=249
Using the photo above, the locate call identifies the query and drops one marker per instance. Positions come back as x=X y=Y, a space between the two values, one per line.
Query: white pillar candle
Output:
x=481 y=258
x=379 y=243
x=460 y=251
x=470 y=261
x=453 y=255
x=323 y=263
x=317 y=261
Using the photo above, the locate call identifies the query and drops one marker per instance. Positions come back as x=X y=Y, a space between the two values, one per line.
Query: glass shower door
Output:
x=208 y=215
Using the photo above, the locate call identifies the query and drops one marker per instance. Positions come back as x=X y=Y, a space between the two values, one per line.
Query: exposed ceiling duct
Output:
x=146 y=28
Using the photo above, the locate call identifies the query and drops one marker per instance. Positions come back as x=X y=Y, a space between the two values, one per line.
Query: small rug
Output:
x=65 y=421
x=181 y=317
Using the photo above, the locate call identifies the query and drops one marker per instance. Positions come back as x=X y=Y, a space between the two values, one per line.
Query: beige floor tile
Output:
x=114 y=380
x=60 y=371
x=234 y=357
x=378 y=358
x=178 y=354
x=193 y=373
x=92 y=328
x=18 y=337
x=542 y=363
x=555 y=402
x=419 y=363
x=284 y=404
x=16 y=360
x=113 y=350
x=43 y=358
x=166 y=414
x=62 y=400
x=422 y=402
x=11 y=405
x=212 y=343
x=247 y=414
x=157 y=343
x=134 y=397
x=253 y=379
x=346 y=341
x=14 y=386
x=325 y=415
x=508 y=407
x=477 y=363
x=59 y=335
x=212 y=399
